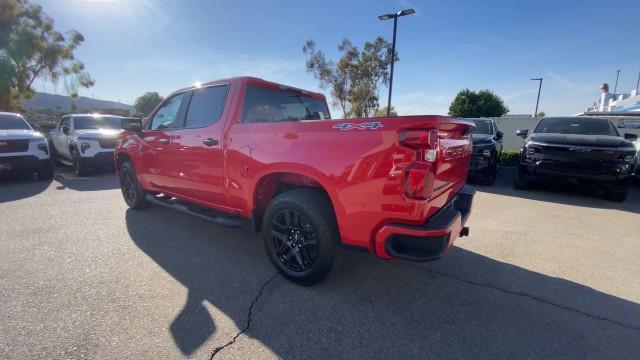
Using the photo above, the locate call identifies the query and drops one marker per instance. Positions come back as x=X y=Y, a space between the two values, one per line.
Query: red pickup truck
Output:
x=245 y=148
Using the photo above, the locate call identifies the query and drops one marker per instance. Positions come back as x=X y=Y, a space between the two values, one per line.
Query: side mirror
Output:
x=132 y=124
x=629 y=136
x=522 y=133
x=499 y=135
x=65 y=129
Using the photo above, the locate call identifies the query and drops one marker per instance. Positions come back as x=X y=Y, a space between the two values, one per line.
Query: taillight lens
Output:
x=419 y=181
x=426 y=141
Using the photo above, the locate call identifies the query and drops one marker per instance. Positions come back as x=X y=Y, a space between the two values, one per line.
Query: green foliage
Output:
x=147 y=102
x=382 y=112
x=355 y=78
x=471 y=104
x=541 y=114
x=31 y=48
x=509 y=158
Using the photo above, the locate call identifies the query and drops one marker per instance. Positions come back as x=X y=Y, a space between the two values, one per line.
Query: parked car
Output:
x=85 y=141
x=22 y=149
x=487 y=147
x=576 y=150
x=245 y=148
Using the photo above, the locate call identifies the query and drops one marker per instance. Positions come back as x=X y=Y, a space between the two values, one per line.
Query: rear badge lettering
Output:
x=361 y=126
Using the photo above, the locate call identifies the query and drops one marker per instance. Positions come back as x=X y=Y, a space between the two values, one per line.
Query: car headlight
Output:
x=84 y=146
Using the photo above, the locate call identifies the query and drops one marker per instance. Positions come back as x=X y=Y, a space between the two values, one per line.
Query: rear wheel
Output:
x=132 y=191
x=300 y=234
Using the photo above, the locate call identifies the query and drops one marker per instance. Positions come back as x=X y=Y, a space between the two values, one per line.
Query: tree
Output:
x=147 y=102
x=541 y=114
x=355 y=78
x=382 y=112
x=477 y=104
x=30 y=48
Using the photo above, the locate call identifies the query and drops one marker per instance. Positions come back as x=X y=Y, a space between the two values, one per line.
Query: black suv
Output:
x=487 y=147
x=576 y=150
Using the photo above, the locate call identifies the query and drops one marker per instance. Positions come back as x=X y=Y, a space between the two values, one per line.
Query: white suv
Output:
x=22 y=149
x=85 y=140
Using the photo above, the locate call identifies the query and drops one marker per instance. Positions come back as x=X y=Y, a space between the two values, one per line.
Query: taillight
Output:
x=419 y=180
x=420 y=175
x=426 y=141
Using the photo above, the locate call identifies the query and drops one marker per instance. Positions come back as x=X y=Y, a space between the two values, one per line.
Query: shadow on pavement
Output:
x=103 y=180
x=560 y=194
x=464 y=306
x=21 y=187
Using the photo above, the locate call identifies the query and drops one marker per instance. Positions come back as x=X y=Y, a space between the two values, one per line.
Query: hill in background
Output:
x=62 y=103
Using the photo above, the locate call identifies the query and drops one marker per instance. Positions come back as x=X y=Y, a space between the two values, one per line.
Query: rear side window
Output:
x=169 y=114
x=206 y=106
x=267 y=105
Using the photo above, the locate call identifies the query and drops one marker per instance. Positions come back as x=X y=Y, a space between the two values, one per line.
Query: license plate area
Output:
x=5 y=166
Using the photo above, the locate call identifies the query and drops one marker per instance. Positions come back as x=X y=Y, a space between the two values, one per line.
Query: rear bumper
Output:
x=431 y=240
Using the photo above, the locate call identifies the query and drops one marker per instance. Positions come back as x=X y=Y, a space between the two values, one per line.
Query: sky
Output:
x=134 y=46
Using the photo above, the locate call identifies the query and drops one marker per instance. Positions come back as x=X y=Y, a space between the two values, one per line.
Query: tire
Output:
x=132 y=192
x=79 y=165
x=618 y=195
x=46 y=172
x=300 y=234
x=490 y=177
x=519 y=182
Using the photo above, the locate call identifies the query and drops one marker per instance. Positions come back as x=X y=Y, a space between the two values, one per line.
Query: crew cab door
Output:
x=157 y=141
x=196 y=168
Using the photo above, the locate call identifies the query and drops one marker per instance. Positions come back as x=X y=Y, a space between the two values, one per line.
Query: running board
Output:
x=197 y=211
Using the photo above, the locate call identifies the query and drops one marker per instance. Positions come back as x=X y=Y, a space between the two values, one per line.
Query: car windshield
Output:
x=97 y=122
x=13 y=122
x=483 y=127
x=266 y=105
x=576 y=126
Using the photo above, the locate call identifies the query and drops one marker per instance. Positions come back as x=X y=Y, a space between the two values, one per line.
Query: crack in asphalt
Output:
x=249 y=318
x=529 y=296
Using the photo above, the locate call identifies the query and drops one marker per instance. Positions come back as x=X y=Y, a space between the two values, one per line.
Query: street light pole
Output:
x=393 y=48
x=615 y=88
x=393 y=60
x=539 y=89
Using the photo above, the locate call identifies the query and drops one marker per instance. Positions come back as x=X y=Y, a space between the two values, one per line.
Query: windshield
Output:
x=266 y=105
x=577 y=126
x=13 y=122
x=97 y=122
x=483 y=127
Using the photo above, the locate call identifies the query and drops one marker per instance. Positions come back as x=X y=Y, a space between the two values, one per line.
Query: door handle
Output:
x=210 y=142
x=163 y=141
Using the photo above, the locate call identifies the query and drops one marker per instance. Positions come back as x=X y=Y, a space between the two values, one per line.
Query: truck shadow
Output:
x=464 y=306
x=561 y=194
x=21 y=187
x=102 y=180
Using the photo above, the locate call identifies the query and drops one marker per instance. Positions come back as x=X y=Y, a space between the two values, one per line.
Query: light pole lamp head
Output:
x=406 y=12
x=386 y=16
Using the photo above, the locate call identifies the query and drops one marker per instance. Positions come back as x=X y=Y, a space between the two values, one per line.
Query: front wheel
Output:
x=520 y=182
x=300 y=234
x=79 y=165
x=132 y=191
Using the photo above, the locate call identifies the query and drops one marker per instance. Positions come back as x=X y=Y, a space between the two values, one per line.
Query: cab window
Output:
x=170 y=114
x=206 y=106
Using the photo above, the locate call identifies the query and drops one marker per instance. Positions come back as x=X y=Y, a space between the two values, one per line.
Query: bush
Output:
x=509 y=158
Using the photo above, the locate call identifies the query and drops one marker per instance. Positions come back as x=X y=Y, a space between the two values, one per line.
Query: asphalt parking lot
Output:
x=545 y=273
